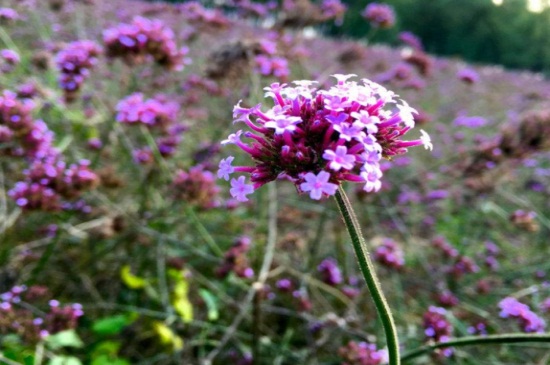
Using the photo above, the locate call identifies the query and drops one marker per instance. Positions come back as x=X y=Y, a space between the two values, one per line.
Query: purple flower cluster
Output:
x=330 y=272
x=145 y=39
x=203 y=18
x=156 y=113
x=74 y=63
x=49 y=182
x=527 y=319
x=362 y=353
x=235 y=260
x=267 y=65
x=20 y=320
x=196 y=187
x=248 y=7
x=20 y=134
x=379 y=15
x=135 y=109
x=437 y=328
x=8 y=60
x=468 y=76
x=320 y=138
x=411 y=40
x=8 y=15
x=389 y=254
x=333 y=9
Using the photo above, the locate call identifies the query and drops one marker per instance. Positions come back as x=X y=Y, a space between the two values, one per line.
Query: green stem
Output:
x=367 y=269
x=478 y=340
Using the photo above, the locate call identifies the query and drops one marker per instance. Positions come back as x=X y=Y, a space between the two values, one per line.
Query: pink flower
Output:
x=339 y=158
x=318 y=185
x=225 y=168
x=239 y=189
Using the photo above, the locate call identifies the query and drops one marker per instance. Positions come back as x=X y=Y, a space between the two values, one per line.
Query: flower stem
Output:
x=367 y=269
x=479 y=340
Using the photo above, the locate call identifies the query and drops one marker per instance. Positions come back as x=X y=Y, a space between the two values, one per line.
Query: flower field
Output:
x=190 y=184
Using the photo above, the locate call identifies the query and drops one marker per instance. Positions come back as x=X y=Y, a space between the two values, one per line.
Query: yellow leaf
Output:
x=167 y=336
x=181 y=302
x=131 y=281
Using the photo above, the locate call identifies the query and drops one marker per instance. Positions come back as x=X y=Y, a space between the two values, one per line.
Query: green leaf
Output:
x=107 y=360
x=211 y=304
x=64 y=360
x=111 y=325
x=67 y=338
x=132 y=281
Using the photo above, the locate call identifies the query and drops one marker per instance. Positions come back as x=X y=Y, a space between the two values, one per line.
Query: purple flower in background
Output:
x=389 y=254
x=155 y=112
x=437 y=328
x=74 y=63
x=8 y=15
x=528 y=320
x=411 y=40
x=8 y=60
x=145 y=39
x=330 y=273
x=468 y=75
x=379 y=15
x=470 y=122
x=363 y=353
x=346 y=125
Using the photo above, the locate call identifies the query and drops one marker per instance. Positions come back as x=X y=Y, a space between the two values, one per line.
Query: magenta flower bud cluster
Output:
x=320 y=138
x=50 y=182
x=437 y=328
x=528 y=320
x=20 y=134
x=390 y=254
x=196 y=187
x=330 y=272
x=74 y=64
x=15 y=318
x=143 y=40
x=235 y=260
x=362 y=353
x=379 y=15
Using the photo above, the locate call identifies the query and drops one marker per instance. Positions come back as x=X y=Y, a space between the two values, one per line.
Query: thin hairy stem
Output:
x=367 y=269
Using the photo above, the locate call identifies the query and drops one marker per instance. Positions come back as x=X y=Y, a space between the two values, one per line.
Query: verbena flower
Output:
x=145 y=39
x=527 y=319
x=74 y=64
x=379 y=15
x=437 y=328
x=319 y=138
x=389 y=254
x=362 y=353
x=330 y=272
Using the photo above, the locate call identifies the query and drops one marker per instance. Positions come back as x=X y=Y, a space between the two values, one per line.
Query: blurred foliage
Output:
x=476 y=30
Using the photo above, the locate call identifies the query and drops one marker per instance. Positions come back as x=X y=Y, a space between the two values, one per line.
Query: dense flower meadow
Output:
x=167 y=174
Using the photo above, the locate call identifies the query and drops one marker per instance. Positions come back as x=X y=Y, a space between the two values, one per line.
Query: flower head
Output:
x=318 y=138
